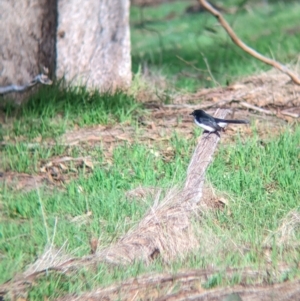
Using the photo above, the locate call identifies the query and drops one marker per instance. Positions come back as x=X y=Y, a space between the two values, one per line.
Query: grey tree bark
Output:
x=27 y=39
x=88 y=42
x=93 y=43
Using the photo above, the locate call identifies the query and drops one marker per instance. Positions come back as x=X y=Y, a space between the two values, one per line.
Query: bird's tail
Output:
x=233 y=121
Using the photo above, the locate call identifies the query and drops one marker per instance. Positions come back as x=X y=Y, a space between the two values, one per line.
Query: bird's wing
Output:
x=212 y=123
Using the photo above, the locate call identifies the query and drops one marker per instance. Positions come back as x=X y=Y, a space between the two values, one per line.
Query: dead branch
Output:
x=160 y=286
x=40 y=78
x=245 y=47
x=202 y=157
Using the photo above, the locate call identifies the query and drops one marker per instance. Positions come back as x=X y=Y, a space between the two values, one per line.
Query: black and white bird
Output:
x=212 y=124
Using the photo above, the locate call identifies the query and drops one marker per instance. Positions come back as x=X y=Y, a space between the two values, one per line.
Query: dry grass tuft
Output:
x=149 y=85
x=213 y=199
x=50 y=259
x=165 y=231
x=285 y=235
x=142 y=193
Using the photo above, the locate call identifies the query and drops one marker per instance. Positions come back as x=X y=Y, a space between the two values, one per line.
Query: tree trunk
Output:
x=27 y=39
x=88 y=42
x=93 y=43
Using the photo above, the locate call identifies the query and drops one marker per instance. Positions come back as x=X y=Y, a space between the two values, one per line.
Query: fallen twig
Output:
x=66 y=159
x=245 y=47
x=255 y=108
x=287 y=113
x=190 y=64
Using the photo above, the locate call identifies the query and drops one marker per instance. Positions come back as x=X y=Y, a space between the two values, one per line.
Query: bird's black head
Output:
x=197 y=113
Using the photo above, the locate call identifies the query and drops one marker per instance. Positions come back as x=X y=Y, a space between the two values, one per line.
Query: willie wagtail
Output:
x=212 y=124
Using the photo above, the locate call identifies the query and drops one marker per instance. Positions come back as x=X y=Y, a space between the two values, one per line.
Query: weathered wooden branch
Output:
x=41 y=78
x=200 y=161
x=245 y=47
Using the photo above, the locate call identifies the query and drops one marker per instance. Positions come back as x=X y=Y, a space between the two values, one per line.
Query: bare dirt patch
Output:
x=54 y=172
x=22 y=181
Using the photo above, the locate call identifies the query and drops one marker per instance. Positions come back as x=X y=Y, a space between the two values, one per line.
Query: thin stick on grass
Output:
x=209 y=71
x=190 y=64
x=43 y=213
x=291 y=114
x=255 y=108
x=40 y=78
x=245 y=47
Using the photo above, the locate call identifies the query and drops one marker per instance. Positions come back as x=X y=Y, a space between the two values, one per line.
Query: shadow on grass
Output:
x=49 y=101
x=52 y=108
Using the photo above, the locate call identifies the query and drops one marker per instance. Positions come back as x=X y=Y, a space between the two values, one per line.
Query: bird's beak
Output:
x=192 y=113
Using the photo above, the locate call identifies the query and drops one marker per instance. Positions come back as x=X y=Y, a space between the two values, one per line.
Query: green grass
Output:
x=161 y=42
x=261 y=180
x=260 y=177
x=49 y=113
x=102 y=194
x=264 y=180
x=268 y=179
x=53 y=109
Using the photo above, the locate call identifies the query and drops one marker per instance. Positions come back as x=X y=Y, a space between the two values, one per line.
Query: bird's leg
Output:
x=215 y=132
